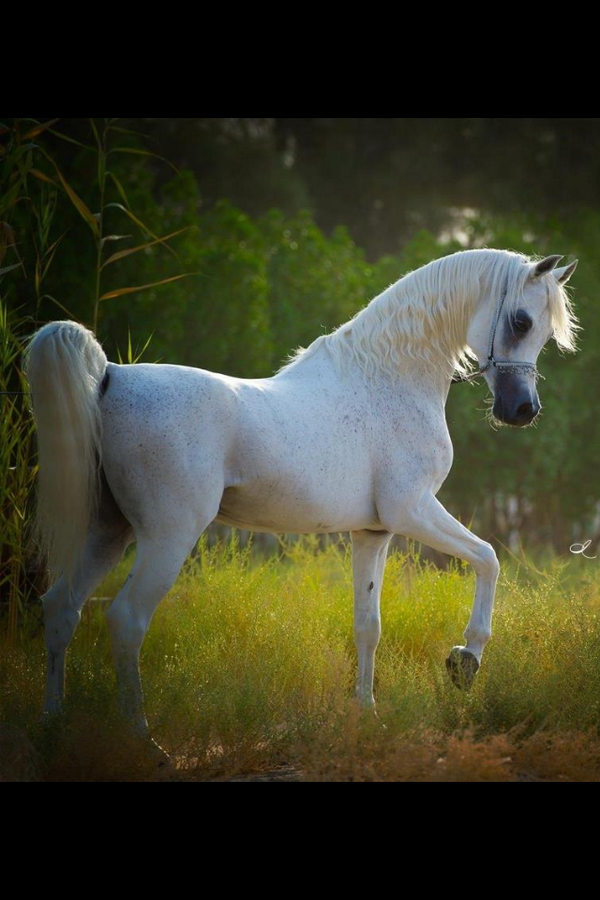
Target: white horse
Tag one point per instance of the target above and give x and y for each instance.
(349, 436)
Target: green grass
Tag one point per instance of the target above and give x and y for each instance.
(249, 665)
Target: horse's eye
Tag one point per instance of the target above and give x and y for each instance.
(521, 322)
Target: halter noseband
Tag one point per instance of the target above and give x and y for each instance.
(506, 365)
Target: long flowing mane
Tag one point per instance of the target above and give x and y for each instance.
(426, 314)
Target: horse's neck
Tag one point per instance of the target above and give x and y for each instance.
(418, 377)
(423, 378)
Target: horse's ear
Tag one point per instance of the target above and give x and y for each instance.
(562, 275)
(546, 265)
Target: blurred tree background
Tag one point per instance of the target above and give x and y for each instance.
(283, 229)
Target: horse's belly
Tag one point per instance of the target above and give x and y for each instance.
(278, 509)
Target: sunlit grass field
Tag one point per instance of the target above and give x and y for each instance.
(249, 670)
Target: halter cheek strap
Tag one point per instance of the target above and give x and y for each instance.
(505, 365)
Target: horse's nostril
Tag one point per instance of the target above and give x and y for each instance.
(525, 411)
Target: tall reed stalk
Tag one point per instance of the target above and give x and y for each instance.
(18, 577)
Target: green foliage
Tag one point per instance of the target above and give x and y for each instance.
(315, 282)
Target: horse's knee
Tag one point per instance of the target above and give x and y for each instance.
(487, 563)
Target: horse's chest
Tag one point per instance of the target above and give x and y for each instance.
(419, 458)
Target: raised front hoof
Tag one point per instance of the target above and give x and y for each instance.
(462, 667)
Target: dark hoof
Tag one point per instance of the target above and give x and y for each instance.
(462, 667)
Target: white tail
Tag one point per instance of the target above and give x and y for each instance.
(64, 366)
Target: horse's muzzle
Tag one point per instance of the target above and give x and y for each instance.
(519, 413)
(516, 400)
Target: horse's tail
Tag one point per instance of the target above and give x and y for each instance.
(65, 365)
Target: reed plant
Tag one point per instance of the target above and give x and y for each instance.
(19, 579)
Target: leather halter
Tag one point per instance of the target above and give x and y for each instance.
(504, 365)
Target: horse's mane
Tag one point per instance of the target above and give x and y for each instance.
(426, 313)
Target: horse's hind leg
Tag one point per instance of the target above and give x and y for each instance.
(158, 562)
(107, 539)
(369, 552)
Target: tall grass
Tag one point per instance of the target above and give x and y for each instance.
(249, 666)
(18, 579)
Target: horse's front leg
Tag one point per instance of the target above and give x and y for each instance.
(369, 551)
(430, 523)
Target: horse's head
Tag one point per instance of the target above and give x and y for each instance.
(509, 330)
